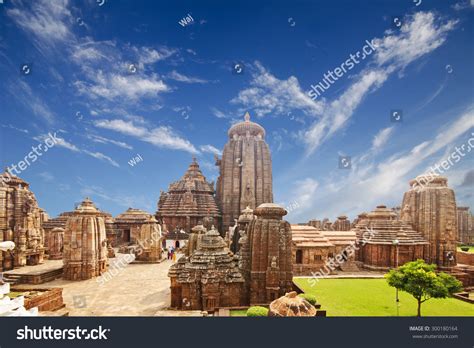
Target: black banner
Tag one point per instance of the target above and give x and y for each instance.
(236, 332)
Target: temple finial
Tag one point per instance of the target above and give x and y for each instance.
(247, 117)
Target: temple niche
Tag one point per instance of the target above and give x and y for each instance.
(269, 267)
(55, 243)
(384, 241)
(430, 206)
(85, 243)
(245, 172)
(188, 202)
(20, 222)
(207, 279)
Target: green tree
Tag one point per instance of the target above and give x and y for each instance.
(421, 281)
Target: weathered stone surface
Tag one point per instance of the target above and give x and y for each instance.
(384, 241)
(208, 279)
(55, 242)
(430, 206)
(291, 305)
(188, 202)
(465, 225)
(245, 171)
(270, 267)
(20, 221)
(341, 224)
(85, 243)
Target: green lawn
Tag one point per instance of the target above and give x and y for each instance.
(471, 249)
(238, 313)
(373, 297)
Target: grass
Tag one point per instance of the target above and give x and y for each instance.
(373, 297)
(471, 249)
(238, 313)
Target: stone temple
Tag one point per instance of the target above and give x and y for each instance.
(20, 222)
(245, 172)
(188, 202)
(430, 206)
(85, 243)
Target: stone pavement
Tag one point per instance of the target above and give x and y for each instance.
(131, 290)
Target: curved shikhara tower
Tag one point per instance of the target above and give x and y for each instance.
(245, 171)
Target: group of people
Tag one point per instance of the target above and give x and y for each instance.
(171, 253)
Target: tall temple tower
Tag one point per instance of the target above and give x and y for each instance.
(245, 171)
(430, 206)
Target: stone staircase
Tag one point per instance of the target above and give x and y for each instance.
(32, 278)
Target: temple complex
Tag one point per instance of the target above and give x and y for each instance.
(207, 279)
(85, 243)
(20, 222)
(430, 206)
(387, 242)
(245, 171)
(465, 223)
(270, 267)
(188, 202)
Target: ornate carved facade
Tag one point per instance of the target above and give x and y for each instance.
(269, 268)
(465, 222)
(188, 201)
(20, 222)
(245, 171)
(85, 243)
(430, 206)
(209, 278)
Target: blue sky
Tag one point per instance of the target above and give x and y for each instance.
(121, 78)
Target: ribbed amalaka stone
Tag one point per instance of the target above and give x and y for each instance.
(384, 241)
(464, 222)
(85, 243)
(55, 243)
(209, 278)
(245, 171)
(188, 201)
(430, 206)
(270, 265)
(291, 305)
(341, 224)
(20, 222)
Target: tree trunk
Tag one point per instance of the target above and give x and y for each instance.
(419, 308)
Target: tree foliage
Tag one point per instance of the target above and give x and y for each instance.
(423, 282)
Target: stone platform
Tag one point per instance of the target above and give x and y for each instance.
(39, 274)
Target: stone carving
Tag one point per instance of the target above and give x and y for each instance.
(20, 222)
(291, 305)
(269, 242)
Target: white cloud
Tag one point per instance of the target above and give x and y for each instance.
(160, 136)
(219, 114)
(103, 140)
(210, 149)
(381, 138)
(101, 157)
(174, 75)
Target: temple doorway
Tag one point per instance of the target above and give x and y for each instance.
(299, 256)
(126, 236)
(176, 244)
